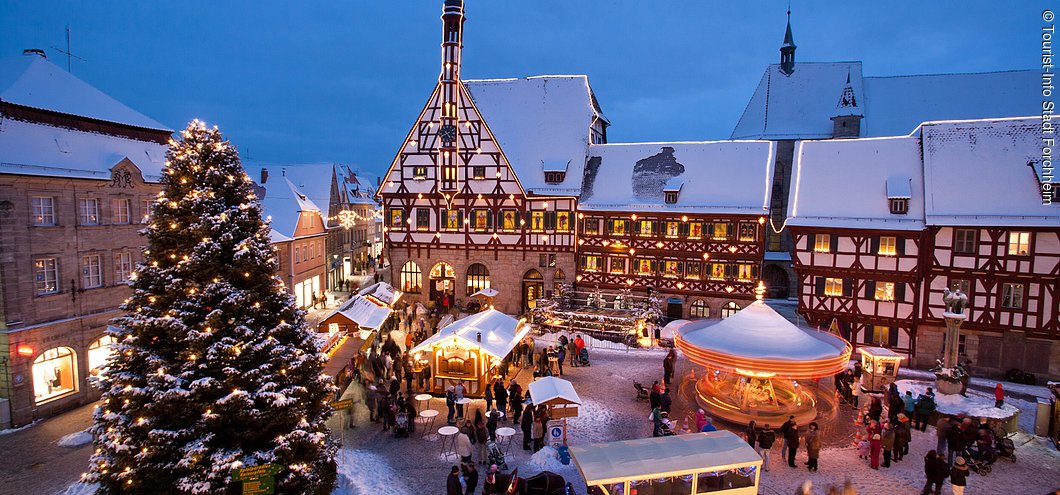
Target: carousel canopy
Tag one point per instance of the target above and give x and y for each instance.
(552, 391)
(757, 339)
(365, 312)
(382, 291)
(649, 458)
(492, 331)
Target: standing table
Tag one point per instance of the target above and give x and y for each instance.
(428, 415)
(448, 434)
(422, 400)
(504, 439)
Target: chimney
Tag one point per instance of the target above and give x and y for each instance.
(29, 52)
(264, 175)
(283, 171)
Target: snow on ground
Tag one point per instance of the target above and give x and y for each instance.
(362, 472)
(80, 489)
(977, 404)
(13, 430)
(1019, 388)
(76, 439)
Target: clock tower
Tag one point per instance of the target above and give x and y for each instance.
(449, 85)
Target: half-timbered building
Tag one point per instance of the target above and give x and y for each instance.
(881, 226)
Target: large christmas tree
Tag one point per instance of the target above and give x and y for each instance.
(213, 368)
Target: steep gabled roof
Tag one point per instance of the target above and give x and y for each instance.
(540, 121)
(283, 203)
(799, 105)
(35, 82)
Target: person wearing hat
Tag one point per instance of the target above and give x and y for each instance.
(527, 425)
(959, 476)
(936, 469)
(454, 483)
(875, 446)
(902, 437)
(490, 484)
(450, 402)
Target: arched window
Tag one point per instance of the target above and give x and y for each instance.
(443, 270)
(699, 309)
(54, 374)
(558, 279)
(478, 278)
(98, 352)
(411, 277)
(532, 275)
(729, 309)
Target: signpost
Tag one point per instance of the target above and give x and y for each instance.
(342, 404)
(258, 480)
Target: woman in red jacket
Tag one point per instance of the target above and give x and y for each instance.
(999, 396)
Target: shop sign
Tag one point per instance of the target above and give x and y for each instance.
(258, 480)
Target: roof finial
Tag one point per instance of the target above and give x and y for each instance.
(787, 49)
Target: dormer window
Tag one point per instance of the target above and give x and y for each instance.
(899, 206)
(672, 190)
(670, 197)
(555, 177)
(555, 170)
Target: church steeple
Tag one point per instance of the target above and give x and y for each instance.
(787, 50)
(846, 119)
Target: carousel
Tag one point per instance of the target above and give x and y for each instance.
(755, 360)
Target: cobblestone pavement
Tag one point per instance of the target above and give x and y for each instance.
(32, 461)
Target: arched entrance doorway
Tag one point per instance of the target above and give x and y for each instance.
(443, 283)
(776, 280)
(533, 287)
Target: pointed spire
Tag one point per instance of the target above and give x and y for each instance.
(787, 50)
(789, 40)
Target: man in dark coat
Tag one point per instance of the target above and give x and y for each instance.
(500, 395)
(664, 401)
(527, 426)
(668, 366)
(655, 398)
(453, 484)
(765, 444)
(791, 439)
(515, 398)
(954, 441)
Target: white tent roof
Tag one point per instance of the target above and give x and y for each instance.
(364, 312)
(494, 332)
(550, 390)
(486, 293)
(647, 458)
(758, 331)
(878, 351)
(382, 291)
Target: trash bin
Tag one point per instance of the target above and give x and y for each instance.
(564, 455)
(1042, 417)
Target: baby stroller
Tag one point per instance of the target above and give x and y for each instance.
(642, 393)
(401, 425)
(665, 429)
(1005, 448)
(976, 461)
(583, 357)
(495, 455)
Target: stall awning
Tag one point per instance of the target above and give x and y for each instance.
(342, 355)
(494, 332)
(649, 458)
(552, 391)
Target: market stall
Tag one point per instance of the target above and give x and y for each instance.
(715, 462)
(559, 396)
(754, 362)
(349, 329)
(879, 368)
(468, 350)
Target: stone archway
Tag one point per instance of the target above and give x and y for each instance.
(777, 283)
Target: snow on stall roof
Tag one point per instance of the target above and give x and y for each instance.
(33, 81)
(282, 202)
(28, 148)
(966, 162)
(800, 106)
(499, 333)
(364, 312)
(717, 176)
(382, 291)
(843, 183)
(551, 390)
(759, 332)
(602, 463)
(537, 121)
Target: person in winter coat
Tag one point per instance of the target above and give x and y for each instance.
(668, 366)
(527, 427)
(384, 411)
(765, 444)
(959, 476)
(492, 418)
(470, 477)
(657, 421)
(999, 396)
(664, 401)
(925, 405)
(937, 470)
(572, 352)
(813, 447)
(491, 486)
(454, 483)
(909, 403)
(500, 395)
(459, 392)
(701, 420)
(370, 400)
(578, 341)
(488, 395)
(561, 355)
(708, 426)
(942, 427)
(482, 435)
(875, 410)
(654, 397)
(751, 433)
(784, 434)
(887, 444)
(875, 446)
(515, 398)
(450, 403)
(902, 438)
(954, 440)
(540, 425)
(791, 438)
(463, 446)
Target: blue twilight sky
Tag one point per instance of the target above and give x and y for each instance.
(312, 81)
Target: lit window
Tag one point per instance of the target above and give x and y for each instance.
(91, 272)
(537, 221)
(411, 277)
(722, 231)
(881, 335)
(452, 219)
(617, 265)
(480, 219)
(47, 275)
(120, 210)
(672, 230)
(717, 271)
(692, 269)
(1019, 243)
(699, 309)
(508, 222)
(419, 172)
(730, 308)
(396, 220)
(833, 286)
(887, 246)
(646, 228)
(591, 226)
(822, 243)
(884, 291)
(43, 210)
(88, 210)
(695, 230)
(122, 266)
(98, 353)
(644, 267)
(748, 231)
(590, 263)
(563, 221)
(54, 374)
(145, 210)
(1012, 296)
(478, 278)
(617, 227)
(671, 269)
(746, 272)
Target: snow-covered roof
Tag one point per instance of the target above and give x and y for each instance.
(357, 187)
(981, 173)
(800, 105)
(33, 81)
(551, 390)
(540, 121)
(898, 187)
(364, 312)
(717, 176)
(845, 183)
(759, 332)
(675, 455)
(312, 179)
(492, 331)
(488, 292)
(382, 291)
(28, 148)
(879, 352)
(282, 204)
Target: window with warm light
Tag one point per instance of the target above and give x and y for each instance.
(396, 218)
(671, 269)
(748, 231)
(537, 221)
(563, 223)
(54, 374)
(145, 210)
(1019, 243)
(98, 353)
(717, 271)
(881, 335)
(645, 266)
(692, 269)
(746, 272)
(88, 211)
(695, 230)
(453, 219)
(884, 291)
(699, 309)
(478, 278)
(481, 220)
(887, 246)
(411, 277)
(730, 308)
(833, 286)
(91, 272)
(672, 230)
(590, 262)
(508, 220)
(419, 172)
(721, 231)
(1012, 296)
(617, 265)
(591, 226)
(46, 272)
(43, 210)
(645, 228)
(616, 226)
(822, 243)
